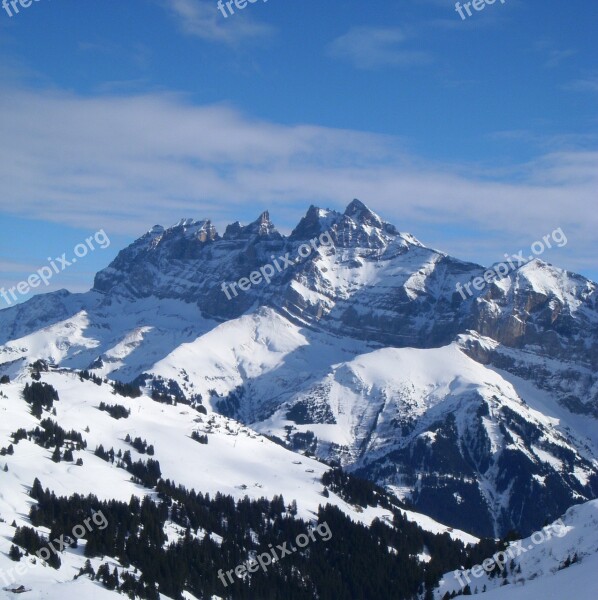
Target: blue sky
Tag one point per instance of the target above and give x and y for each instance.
(477, 136)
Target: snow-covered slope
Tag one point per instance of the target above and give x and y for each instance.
(74, 330)
(236, 461)
(429, 422)
(553, 567)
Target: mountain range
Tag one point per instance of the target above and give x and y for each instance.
(479, 413)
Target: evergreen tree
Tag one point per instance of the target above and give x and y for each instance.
(37, 490)
(15, 554)
(56, 455)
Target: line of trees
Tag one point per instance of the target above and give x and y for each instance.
(354, 563)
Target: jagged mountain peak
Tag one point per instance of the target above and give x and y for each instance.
(202, 230)
(359, 212)
(357, 226)
(262, 227)
(191, 229)
(316, 221)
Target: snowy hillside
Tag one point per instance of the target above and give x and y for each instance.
(380, 413)
(552, 566)
(235, 461)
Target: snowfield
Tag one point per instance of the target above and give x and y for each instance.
(540, 572)
(236, 461)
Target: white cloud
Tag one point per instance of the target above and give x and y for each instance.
(201, 18)
(557, 57)
(376, 47)
(10, 266)
(126, 163)
(589, 84)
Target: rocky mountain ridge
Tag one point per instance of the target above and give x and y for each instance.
(479, 405)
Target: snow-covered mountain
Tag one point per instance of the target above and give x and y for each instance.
(477, 411)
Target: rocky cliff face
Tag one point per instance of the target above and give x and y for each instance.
(373, 283)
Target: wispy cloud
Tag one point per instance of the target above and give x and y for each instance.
(376, 47)
(10, 266)
(128, 162)
(557, 57)
(138, 54)
(554, 56)
(12, 273)
(547, 142)
(201, 18)
(587, 84)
